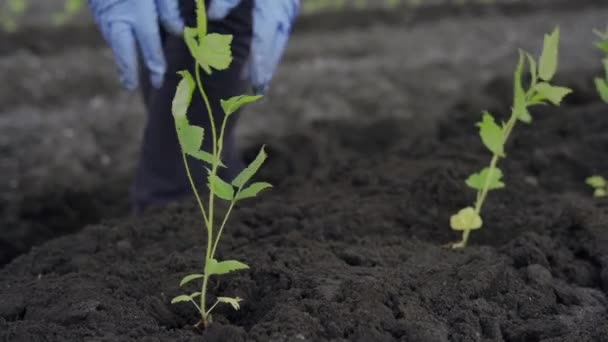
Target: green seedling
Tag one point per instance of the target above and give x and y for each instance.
(495, 136)
(601, 83)
(599, 185)
(211, 52)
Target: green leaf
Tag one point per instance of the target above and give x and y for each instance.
(214, 52)
(491, 134)
(190, 278)
(533, 70)
(602, 88)
(520, 109)
(190, 34)
(185, 298)
(223, 267)
(220, 188)
(596, 182)
(551, 93)
(206, 157)
(466, 219)
(245, 175)
(181, 299)
(234, 302)
(190, 138)
(235, 103)
(603, 45)
(548, 58)
(183, 96)
(600, 193)
(253, 190)
(493, 179)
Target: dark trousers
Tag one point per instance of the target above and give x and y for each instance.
(161, 177)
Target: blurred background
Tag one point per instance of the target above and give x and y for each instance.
(69, 136)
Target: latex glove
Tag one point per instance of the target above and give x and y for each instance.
(272, 23)
(127, 25)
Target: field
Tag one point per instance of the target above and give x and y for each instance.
(370, 128)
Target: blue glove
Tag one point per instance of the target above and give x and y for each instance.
(129, 24)
(272, 22)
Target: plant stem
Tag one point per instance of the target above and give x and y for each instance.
(194, 189)
(481, 195)
(219, 233)
(214, 167)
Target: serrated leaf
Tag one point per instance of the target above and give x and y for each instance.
(602, 88)
(206, 157)
(244, 176)
(220, 188)
(466, 219)
(214, 52)
(493, 179)
(180, 299)
(190, 35)
(190, 138)
(183, 96)
(553, 94)
(223, 267)
(253, 190)
(234, 302)
(235, 103)
(547, 65)
(519, 95)
(492, 134)
(596, 182)
(190, 278)
(537, 99)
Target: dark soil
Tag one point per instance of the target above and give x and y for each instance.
(348, 245)
(351, 249)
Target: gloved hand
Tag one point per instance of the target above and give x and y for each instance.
(129, 24)
(272, 22)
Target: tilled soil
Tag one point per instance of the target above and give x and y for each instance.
(69, 140)
(368, 154)
(352, 251)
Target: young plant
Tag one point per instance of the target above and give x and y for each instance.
(599, 185)
(495, 136)
(211, 51)
(601, 83)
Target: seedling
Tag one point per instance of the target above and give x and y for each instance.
(495, 136)
(211, 52)
(599, 185)
(601, 84)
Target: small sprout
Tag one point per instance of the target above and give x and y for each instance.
(494, 136)
(211, 52)
(599, 185)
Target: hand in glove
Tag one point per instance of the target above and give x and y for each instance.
(128, 25)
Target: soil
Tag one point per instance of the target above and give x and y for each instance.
(348, 246)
